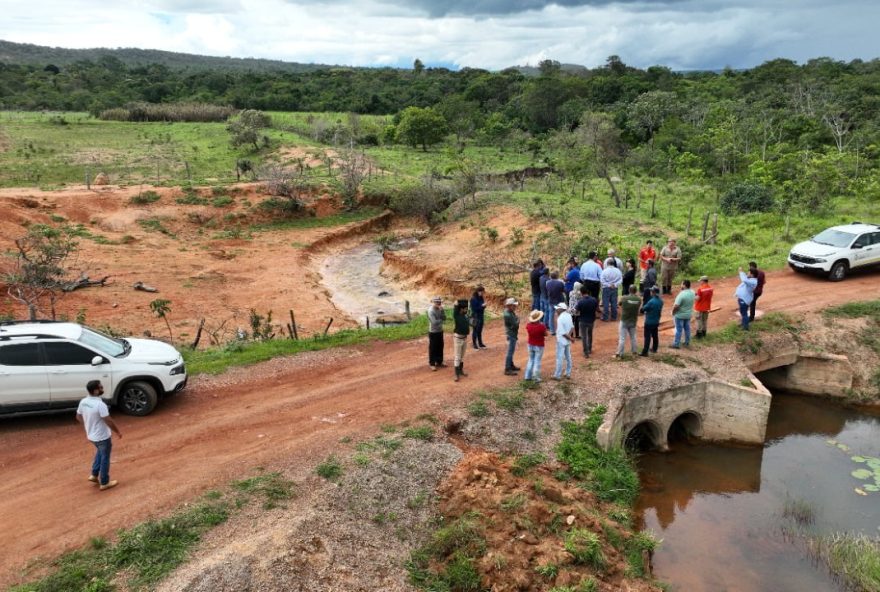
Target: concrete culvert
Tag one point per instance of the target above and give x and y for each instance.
(645, 436)
(686, 426)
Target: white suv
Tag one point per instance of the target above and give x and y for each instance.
(837, 250)
(45, 365)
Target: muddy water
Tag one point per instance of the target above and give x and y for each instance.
(354, 279)
(719, 509)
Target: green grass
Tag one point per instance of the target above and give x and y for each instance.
(585, 548)
(750, 341)
(525, 462)
(853, 310)
(610, 474)
(425, 433)
(330, 469)
(448, 561)
(218, 359)
(44, 154)
(322, 222)
(853, 558)
(149, 551)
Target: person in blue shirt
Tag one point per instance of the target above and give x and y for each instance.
(591, 273)
(535, 282)
(745, 292)
(571, 276)
(652, 309)
(478, 310)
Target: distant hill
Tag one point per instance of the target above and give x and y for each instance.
(39, 55)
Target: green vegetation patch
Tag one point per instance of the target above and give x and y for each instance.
(151, 550)
(610, 474)
(853, 558)
(853, 310)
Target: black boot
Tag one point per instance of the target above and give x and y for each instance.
(457, 373)
(461, 369)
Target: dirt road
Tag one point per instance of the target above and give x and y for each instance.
(223, 427)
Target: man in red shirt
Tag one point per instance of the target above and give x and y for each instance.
(703, 305)
(646, 253)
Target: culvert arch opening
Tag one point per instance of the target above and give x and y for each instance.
(644, 436)
(687, 426)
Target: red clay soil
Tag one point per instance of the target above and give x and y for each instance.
(296, 409)
(525, 520)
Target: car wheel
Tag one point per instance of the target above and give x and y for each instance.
(838, 271)
(138, 398)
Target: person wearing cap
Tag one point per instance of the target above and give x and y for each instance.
(564, 338)
(703, 305)
(536, 331)
(460, 335)
(436, 317)
(629, 315)
(645, 254)
(478, 316)
(652, 310)
(682, 311)
(586, 307)
(511, 331)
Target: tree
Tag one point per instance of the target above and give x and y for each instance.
(418, 66)
(421, 127)
(598, 133)
(161, 308)
(41, 266)
(648, 112)
(353, 166)
(461, 115)
(246, 128)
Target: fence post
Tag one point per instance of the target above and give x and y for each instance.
(406, 305)
(327, 328)
(293, 325)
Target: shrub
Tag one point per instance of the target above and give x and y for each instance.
(143, 112)
(747, 197)
(145, 198)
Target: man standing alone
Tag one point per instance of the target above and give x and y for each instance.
(682, 311)
(703, 305)
(759, 289)
(436, 316)
(670, 256)
(94, 415)
(511, 329)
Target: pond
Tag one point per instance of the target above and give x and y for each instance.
(724, 512)
(358, 287)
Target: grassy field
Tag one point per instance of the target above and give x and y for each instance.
(52, 149)
(592, 221)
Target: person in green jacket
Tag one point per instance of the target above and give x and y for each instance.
(682, 311)
(511, 330)
(460, 335)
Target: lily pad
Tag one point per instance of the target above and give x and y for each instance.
(843, 447)
(874, 463)
(872, 488)
(859, 459)
(862, 474)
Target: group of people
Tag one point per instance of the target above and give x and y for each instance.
(567, 303)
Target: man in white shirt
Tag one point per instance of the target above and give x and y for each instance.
(95, 417)
(611, 278)
(564, 338)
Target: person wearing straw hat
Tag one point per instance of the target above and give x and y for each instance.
(537, 331)
(436, 316)
(511, 331)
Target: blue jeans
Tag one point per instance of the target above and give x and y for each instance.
(548, 315)
(744, 313)
(682, 326)
(563, 352)
(536, 302)
(101, 464)
(533, 368)
(511, 347)
(609, 303)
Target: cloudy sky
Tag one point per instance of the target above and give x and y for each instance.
(494, 34)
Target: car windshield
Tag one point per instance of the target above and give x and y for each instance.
(104, 343)
(834, 238)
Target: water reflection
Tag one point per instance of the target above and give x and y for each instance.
(718, 509)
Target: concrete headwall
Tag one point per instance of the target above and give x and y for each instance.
(812, 374)
(726, 412)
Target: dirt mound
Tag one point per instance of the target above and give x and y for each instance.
(540, 531)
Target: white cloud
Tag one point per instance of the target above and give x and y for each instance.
(679, 34)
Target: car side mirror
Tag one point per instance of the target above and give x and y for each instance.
(857, 245)
(97, 361)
